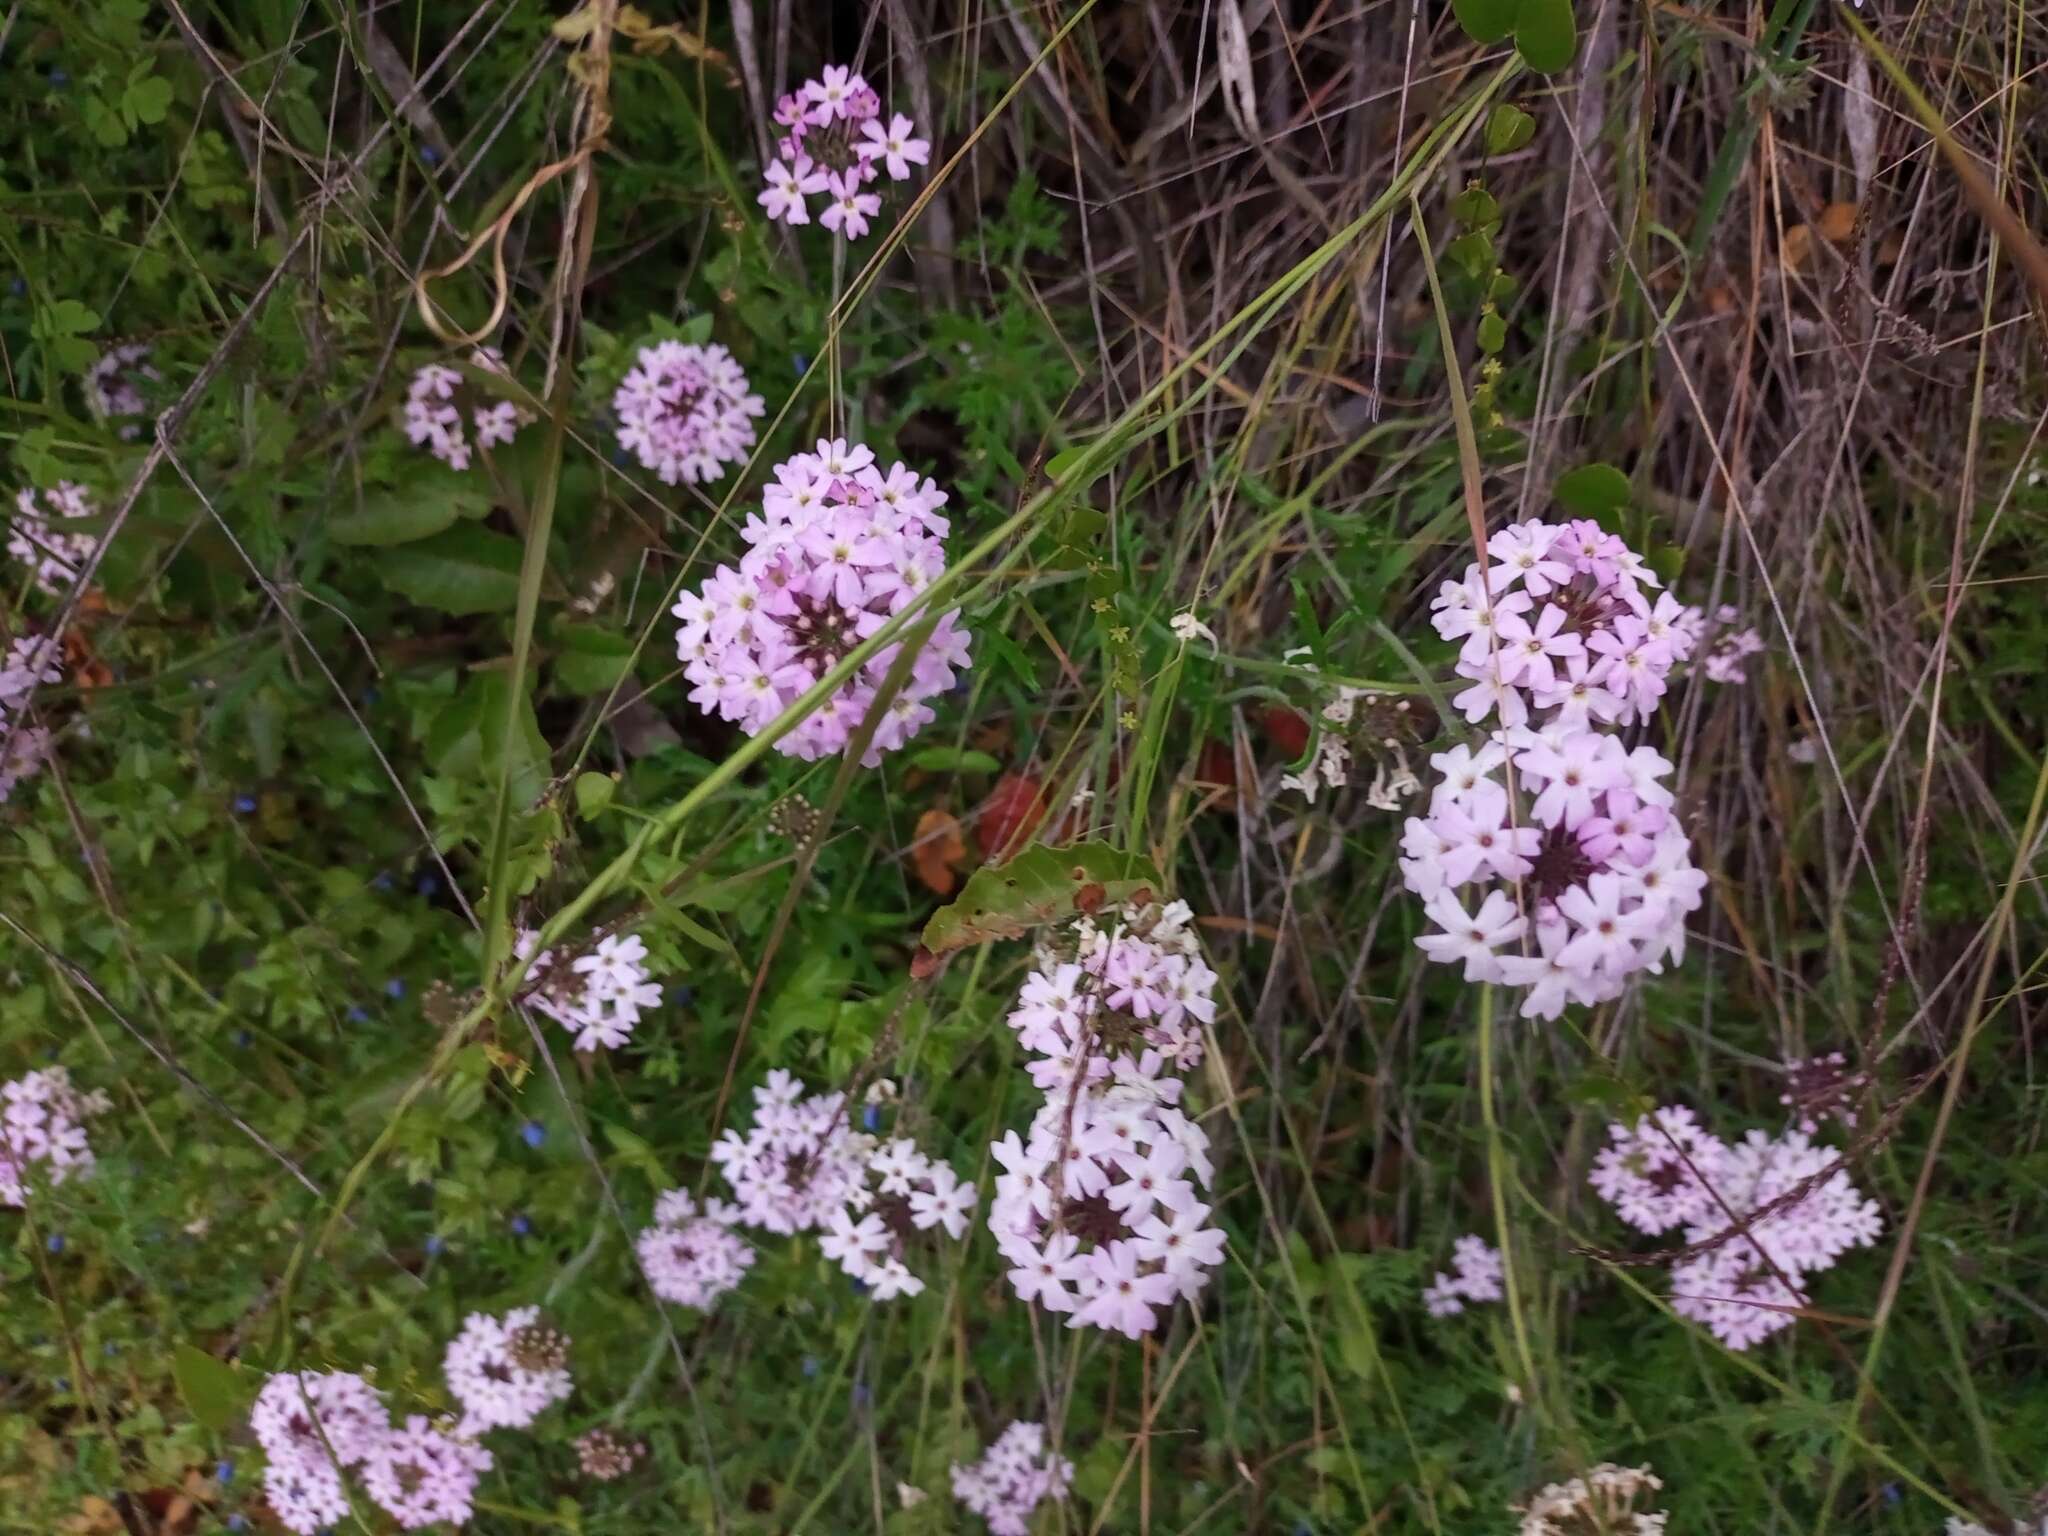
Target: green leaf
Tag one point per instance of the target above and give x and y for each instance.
(404, 516)
(1473, 252)
(217, 1393)
(1508, 128)
(1592, 489)
(591, 660)
(1485, 21)
(1041, 885)
(1545, 36)
(1474, 207)
(953, 760)
(147, 100)
(594, 793)
(60, 326)
(1493, 333)
(459, 570)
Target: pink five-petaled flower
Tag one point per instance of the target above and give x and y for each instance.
(897, 146)
(1526, 650)
(786, 191)
(1124, 1297)
(1475, 938)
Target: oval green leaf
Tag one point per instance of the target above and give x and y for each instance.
(459, 570)
(1545, 36)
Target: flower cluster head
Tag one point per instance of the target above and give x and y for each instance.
(42, 1128)
(1730, 648)
(685, 411)
(1667, 1171)
(28, 662)
(435, 406)
(1559, 624)
(37, 537)
(312, 1425)
(836, 550)
(835, 144)
(113, 384)
(599, 997)
(1476, 1274)
(802, 1167)
(1013, 1477)
(1602, 1503)
(1550, 859)
(605, 1457)
(420, 1475)
(1823, 1088)
(505, 1371)
(1096, 1209)
(690, 1257)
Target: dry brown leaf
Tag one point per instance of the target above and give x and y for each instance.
(937, 847)
(1796, 249)
(1838, 221)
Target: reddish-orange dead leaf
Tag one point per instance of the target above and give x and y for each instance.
(937, 847)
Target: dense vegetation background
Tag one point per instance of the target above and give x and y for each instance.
(1160, 318)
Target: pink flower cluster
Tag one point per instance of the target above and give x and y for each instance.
(837, 548)
(1730, 648)
(42, 1127)
(685, 411)
(1668, 1171)
(113, 384)
(505, 1371)
(835, 143)
(1014, 1476)
(689, 1258)
(313, 1426)
(1096, 1208)
(38, 539)
(1584, 875)
(29, 662)
(599, 997)
(802, 1167)
(434, 405)
(1476, 1274)
(1559, 622)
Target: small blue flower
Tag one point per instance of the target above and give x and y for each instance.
(18, 286)
(521, 1226)
(1892, 1496)
(113, 1348)
(394, 988)
(810, 1365)
(357, 1013)
(59, 78)
(240, 1039)
(533, 1133)
(245, 805)
(54, 1242)
(682, 996)
(860, 1287)
(871, 1117)
(435, 1246)
(430, 154)
(237, 1523)
(224, 1472)
(861, 1394)
(382, 880)
(428, 886)
(63, 1383)
(370, 697)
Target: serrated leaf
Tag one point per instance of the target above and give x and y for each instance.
(407, 515)
(217, 1393)
(1545, 35)
(1508, 128)
(1592, 489)
(459, 570)
(1041, 885)
(1485, 21)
